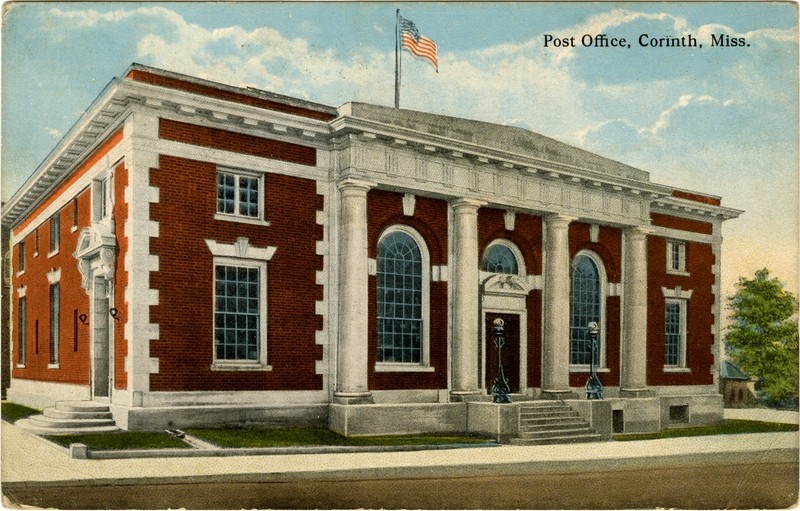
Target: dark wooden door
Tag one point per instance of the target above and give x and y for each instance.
(510, 351)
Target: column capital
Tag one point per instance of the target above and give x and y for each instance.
(356, 185)
(467, 205)
(558, 220)
(638, 230)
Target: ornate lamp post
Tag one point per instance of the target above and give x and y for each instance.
(594, 389)
(501, 389)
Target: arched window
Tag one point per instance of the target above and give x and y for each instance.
(402, 280)
(499, 258)
(585, 307)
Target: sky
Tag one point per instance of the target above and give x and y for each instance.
(718, 119)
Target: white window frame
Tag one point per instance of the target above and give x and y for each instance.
(681, 266)
(681, 365)
(22, 325)
(243, 365)
(604, 288)
(55, 326)
(236, 216)
(424, 365)
(21, 256)
(55, 234)
(101, 197)
(521, 271)
(678, 294)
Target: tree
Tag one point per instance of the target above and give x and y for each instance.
(762, 337)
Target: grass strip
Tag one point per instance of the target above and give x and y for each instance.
(12, 412)
(731, 427)
(297, 437)
(122, 440)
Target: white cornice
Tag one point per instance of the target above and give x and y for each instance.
(675, 206)
(506, 161)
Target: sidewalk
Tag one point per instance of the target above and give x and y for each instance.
(30, 459)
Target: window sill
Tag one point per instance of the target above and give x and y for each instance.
(241, 219)
(587, 369)
(20, 273)
(52, 366)
(677, 370)
(389, 367)
(36, 254)
(679, 273)
(239, 366)
(51, 254)
(20, 366)
(73, 228)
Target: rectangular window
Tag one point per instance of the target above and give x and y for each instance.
(21, 257)
(239, 195)
(55, 233)
(21, 341)
(675, 333)
(239, 313)
(55, 312)
(75, 212)
(676, 257)
(100, 198)
(35, 242)
(75, 330)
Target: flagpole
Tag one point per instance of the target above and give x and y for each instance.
(397, 60)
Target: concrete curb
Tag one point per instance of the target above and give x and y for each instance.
(745, 458)
(80, 451)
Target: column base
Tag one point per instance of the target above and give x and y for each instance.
(635, 393)
(559, 394)
(353, 398)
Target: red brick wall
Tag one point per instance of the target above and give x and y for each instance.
(385, 209)
(705, 199)
(684, 224)
(699, 339)
(73, 350)
(609, 249)
(236, 142)
(120, 277)
(206, 90)
(185, 314)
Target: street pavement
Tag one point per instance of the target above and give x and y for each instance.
(28, 458)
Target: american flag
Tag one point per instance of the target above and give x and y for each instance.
(419, 45)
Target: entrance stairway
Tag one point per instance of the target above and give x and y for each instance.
(552, 422)
(70, 417)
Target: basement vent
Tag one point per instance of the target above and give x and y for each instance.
(679, 413)
(617, 421)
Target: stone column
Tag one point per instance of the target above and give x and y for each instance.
(634, 327)
(556, 339)
(351, 376)
(465, 282)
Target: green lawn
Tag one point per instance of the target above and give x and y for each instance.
(13, 412)
(317, 437)
(122, 440)
(731, 427)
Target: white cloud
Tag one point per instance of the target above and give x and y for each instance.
(53, 132)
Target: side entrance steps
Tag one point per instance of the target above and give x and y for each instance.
(69, 418)
(552, 422)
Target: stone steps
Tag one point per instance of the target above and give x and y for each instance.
(69, 418)
(552, 422)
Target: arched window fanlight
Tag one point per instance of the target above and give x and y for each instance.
(499, 258)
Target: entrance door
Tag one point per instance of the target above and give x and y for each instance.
(510, 351)
(101, 351)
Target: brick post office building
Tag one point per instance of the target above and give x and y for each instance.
(193, 253)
